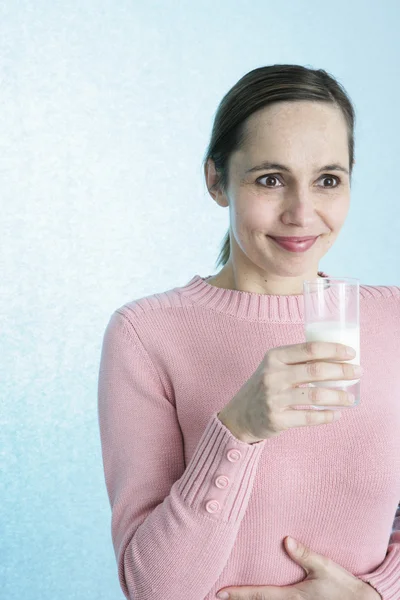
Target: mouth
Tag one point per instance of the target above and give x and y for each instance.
(293, 238)
(293, 244)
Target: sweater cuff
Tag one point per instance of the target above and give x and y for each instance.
(220, 475)
(386, 578)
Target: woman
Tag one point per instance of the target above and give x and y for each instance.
(208, 466)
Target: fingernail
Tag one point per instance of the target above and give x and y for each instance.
(292, 544)
(350, 351)
(223, 595)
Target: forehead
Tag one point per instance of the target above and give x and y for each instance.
(290, 130)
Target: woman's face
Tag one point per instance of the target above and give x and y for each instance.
(303, 201)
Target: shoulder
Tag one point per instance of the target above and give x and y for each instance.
(380, 304)
(380, 295)
(146, 306)
(380, 292)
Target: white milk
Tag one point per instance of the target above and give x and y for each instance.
(331, 331)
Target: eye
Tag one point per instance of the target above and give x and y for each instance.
(326, 176)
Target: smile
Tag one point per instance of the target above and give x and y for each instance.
(294, 246)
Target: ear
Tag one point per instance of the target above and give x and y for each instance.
(212, 179)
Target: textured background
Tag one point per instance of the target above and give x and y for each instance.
(106, 110)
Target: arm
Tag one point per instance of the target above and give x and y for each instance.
(385, 579)
(167, 543)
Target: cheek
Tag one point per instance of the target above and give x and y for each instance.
(338, 215)
(254, 216)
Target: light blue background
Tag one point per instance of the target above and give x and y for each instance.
(106, 110)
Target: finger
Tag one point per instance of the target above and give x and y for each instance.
(302, 418)
(296, 397)
(247, 592)
(310, 351)
(318, 371)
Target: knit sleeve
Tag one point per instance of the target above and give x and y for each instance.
(173, 526)
(386, 577)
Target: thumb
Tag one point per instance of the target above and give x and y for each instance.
(306, 558)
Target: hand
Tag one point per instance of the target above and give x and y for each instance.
(325, 580)
(264, 407)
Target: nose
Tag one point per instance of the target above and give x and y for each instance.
(299, 210)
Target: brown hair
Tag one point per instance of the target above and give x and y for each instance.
(257, 89)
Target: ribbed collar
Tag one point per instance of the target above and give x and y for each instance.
(246, 305)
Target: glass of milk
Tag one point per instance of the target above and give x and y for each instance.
(332, 314)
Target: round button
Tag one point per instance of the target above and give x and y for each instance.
(234, 455)
(222, 481)
(212, 506)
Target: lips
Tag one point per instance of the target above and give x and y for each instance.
(294, 246)
(293, 238)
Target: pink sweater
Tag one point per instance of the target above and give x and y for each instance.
(193, 508)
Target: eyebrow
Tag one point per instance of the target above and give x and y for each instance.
(270, 165)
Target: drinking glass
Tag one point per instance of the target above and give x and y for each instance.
(332, 314)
